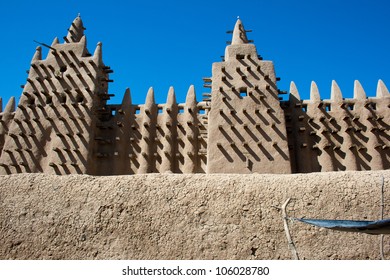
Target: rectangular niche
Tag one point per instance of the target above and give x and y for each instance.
(243, 92)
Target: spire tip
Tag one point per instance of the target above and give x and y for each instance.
(239, 33)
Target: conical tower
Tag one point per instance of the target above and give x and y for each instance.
(76, 31)
(247, 131)
(54, 126)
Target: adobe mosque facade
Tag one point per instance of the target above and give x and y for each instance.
(64, 125)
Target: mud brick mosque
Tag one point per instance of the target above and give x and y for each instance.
(64, 125)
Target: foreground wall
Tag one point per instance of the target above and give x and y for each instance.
(197, 216)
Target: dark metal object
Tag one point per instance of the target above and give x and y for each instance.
(45, 45)
(369, 227)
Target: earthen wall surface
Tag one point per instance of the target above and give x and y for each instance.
(178, 216)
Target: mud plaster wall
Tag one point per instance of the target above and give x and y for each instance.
(170, 216)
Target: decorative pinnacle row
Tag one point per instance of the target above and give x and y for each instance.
(336, 94)
(150, 102)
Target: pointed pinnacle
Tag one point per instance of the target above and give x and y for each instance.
(98, 54)
(76, 31)
(314, 93)
(381, 90)
(149, 102)
(335, 92)
(37, 55)
(191, 98)
(55, 42)
(358, 91)
(83, 41)
(239, 34)
(294, 91)
(10, 107)
(126, 101)
(171, 99)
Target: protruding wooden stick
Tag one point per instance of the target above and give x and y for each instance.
(291, 244)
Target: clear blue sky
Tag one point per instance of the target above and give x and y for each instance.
(174, 43)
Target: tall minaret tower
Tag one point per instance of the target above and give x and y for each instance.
(247, 130)
(53, 129)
